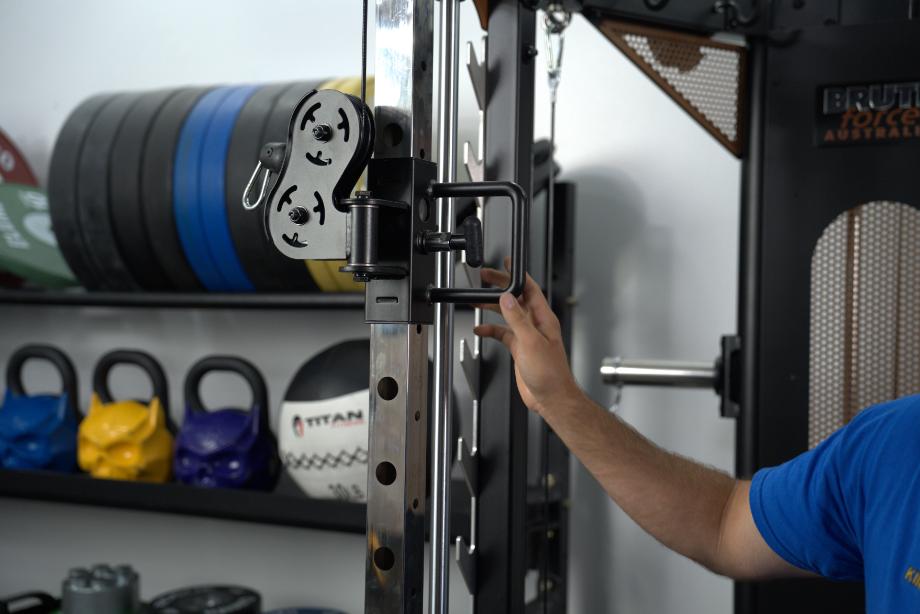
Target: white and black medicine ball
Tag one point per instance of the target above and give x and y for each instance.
(323, 428)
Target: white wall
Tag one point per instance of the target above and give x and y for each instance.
(656, 262)
(655, 278)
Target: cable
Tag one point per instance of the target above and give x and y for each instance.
(364, 55)
(555, 21)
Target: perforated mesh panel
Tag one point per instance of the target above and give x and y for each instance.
(865, 314)
(705, 77)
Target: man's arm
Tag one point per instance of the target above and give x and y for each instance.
(692, 509)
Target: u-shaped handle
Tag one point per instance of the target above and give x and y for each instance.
(51, 354)
(519, 207)
(232, 364)
(137, 358)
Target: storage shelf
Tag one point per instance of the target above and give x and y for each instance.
(245, 505)
(202, 300)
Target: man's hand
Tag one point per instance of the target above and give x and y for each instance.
(534, 337)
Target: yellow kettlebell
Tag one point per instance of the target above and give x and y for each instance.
(126, 440)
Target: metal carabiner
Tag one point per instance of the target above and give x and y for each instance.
(252, 180)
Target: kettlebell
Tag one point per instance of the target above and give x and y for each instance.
(39, 431)
(127, 439)
(102, 589)
(229, 447)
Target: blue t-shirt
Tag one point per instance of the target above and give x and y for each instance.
(850, 508)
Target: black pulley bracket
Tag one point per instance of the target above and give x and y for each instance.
(264, 119)
(329, 142)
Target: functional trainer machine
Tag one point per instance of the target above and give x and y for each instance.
(812, 82)
(398, 237)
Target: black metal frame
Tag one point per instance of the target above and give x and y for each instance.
(787, 205)
(503, 427)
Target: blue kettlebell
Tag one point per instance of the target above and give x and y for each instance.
(39, 431)
(230, 447)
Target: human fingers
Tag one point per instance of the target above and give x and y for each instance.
(517, 318)
(498, 332)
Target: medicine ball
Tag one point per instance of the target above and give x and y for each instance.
(323, 427)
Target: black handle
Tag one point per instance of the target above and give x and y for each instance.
(471, 230)
(518, 223)
(137, 358)
(233, 364)
(53, 355)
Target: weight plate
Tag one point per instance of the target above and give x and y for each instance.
(263, 119)
(213, 201)
(322, 276)
(93, 195)
(125, 207)
(208, 600)
(27, 244)
(157, 189)
(187, 190)
(63, 180)
(13, 165)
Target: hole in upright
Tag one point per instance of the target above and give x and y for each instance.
(386, 473)
(384, 558)
(393, 135)
(387, 388)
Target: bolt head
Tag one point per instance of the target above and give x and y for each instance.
(299, 216)
(322, 132)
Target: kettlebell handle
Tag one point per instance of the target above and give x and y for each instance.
(137, 358)
(51, 354)
(231, 364)
(36, 601)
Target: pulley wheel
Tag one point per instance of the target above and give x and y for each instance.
(268, 270)
(287, 272)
